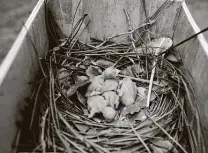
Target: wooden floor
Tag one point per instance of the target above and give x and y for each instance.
(13, 14)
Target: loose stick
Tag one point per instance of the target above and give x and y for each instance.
(140, 138)
(80, 137)
(187, 39)
(166, 133)
(121, 34)
(138, 79)
(130, 29)
(74, 144)
(42, 131)
(152, 74)
(35, 104)
(131, 37)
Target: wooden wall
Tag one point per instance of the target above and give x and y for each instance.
(16, 73)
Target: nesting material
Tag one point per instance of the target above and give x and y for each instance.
(93, 98)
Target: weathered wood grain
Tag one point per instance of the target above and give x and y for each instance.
(17, 71)
(107, 18)
(195, 59)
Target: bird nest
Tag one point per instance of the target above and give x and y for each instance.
(106, 96)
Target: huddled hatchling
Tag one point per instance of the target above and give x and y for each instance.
(106, 92)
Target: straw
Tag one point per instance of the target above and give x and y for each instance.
(59, 105)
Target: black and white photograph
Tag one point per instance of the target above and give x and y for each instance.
(103, 76)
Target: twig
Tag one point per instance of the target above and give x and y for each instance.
(75, 30)
(187, 39)
(130, 29)
(75, 14)
(79, 35)
(35, 105)
(138, 79)
(54, 142)
(73, 143)
(51, 101)
(146, 15)
(42, 131)
(52, 81)
(140, 138)
(36, 148)
(118, 35)
(80, 137)
(63, 141)
(153, 73)
(125, 33)
(16, 141)
(159, 11)
(166, 133)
